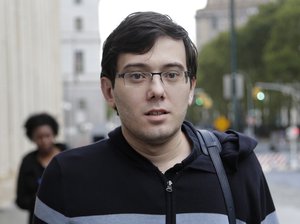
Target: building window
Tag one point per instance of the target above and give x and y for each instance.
(214, 23)
(77, 2)
(78, 24)
(78, 62)
(82, 104)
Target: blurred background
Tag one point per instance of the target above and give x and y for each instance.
(248, 79)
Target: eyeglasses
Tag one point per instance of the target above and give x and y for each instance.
(170, 78)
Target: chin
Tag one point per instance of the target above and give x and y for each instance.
(46, 149)
(158, 136)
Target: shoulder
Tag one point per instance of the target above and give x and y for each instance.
(61, 146)
(236, 147)
(29, 162)
(30, 157)
(77, 162)
(85, 156)
(30, 154)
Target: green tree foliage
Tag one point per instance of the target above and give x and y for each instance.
(252, 40)
(282, 52)
(268, 50)
(214, 61)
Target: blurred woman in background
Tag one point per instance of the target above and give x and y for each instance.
(41, 129)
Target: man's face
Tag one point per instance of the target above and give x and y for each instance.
(152, 112)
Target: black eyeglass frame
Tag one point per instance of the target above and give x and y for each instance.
(186, 74)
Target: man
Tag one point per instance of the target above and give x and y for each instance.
(151, 169)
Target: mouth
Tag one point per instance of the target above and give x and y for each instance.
(156, 112)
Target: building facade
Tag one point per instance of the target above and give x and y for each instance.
(85, 109)
(30, 77)
(215, 17)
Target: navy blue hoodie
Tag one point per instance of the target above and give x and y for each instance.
(108, 182)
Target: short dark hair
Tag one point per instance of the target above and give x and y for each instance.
(137, 33)
(37, 120)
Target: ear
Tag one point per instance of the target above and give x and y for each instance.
(107, 91)
(191, 94)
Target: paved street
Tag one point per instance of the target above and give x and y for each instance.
(285, 189)
(284, 180)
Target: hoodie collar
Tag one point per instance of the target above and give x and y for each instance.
(235, 148)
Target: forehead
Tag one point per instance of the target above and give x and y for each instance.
(43, 129)
(166, 52)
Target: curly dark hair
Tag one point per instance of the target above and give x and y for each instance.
(137, 34)
(37, 120)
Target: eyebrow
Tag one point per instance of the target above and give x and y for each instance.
(133, 65)
(145, 66)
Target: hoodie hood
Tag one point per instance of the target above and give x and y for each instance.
(235, 147)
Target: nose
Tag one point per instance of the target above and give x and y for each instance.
(156, 88)
(45, 141)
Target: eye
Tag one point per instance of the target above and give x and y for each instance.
(135, 77)
(171, 75)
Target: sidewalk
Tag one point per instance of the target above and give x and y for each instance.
(9, 213)
(7, 191)
(285, 190)
(12, 215)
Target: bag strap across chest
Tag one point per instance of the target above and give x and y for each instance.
(211, 146)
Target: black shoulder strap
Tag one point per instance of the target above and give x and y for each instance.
(212, 147)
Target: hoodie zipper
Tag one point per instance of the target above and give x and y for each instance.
(169, 187)
(170, 215)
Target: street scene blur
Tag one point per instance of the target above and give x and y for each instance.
(248, 80)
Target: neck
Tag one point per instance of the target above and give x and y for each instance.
(44, 157)
(164, 155)
(47, 153)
